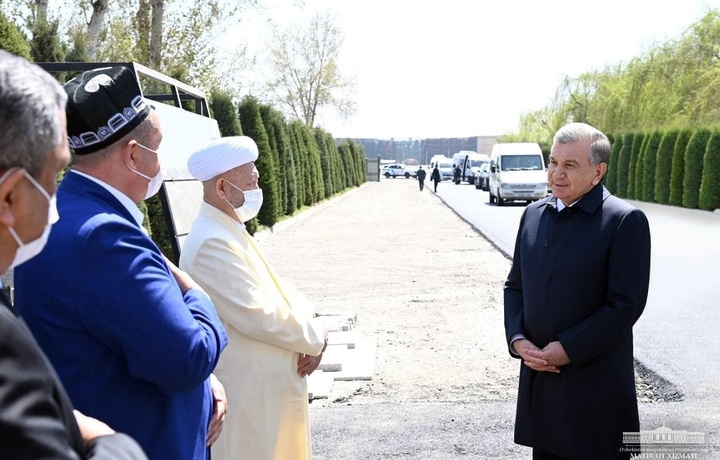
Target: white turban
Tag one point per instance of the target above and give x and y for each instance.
(221, 155)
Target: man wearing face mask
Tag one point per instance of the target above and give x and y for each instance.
(274, 342)
(36, 416)
(133, 338)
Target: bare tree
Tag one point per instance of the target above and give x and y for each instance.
(156, 33)
(305, 73)
(95, 26)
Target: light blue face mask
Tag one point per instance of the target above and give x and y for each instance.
(251, 206)
(26, 251)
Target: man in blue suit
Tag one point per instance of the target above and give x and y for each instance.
(134, 339)
(578, 283)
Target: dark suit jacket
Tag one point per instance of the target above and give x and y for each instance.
(36, 418)
(581, 277)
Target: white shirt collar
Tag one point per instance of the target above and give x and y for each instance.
(132, 208)
(560, 205)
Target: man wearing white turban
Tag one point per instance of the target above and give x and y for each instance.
(274, 342)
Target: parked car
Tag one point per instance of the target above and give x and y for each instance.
(482, 177)
(397, 170)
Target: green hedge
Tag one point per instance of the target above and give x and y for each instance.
(649, 164)
(612, 171)
(694, 155)
(637, 145)
(623, 167)
(710, 184)
(12, 40)
(663, 168)
(677, 177)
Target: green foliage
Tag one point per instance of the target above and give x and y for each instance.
(694, 155)
(317, 184)
(225, 113)
(45, 45)
(253, 127)
(677, 177)
(637, 145)
(670, 85)
(157, 226)
(11, 40)
(612, 172)
(639, 170)
(663, 169)
(710, 184)
(623, 168)
(326, 164)
(648, 165)
(269, 115)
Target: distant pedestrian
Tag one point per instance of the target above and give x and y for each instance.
(435, 177)
(421, 178)
(456, 174)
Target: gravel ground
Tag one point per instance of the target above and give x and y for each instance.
(420, 280)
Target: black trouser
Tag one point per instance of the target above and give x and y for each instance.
(422, 184)
(542, 455)
(436, 182)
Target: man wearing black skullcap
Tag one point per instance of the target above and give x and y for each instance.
(133, 338)
(36, 417)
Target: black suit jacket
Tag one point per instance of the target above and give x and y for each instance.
(36, 417)
(579, 276)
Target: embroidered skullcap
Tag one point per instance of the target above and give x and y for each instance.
(103, 105)
(221, 155)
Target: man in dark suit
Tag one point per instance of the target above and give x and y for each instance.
(421, 178)
(578, 283)
(36, 418)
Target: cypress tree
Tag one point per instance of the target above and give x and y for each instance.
(637, 144)
(363, 162)
(317, 185)
(304, 156)
(639, 170)
(710, 184)
(268, 114)
(225, 113)
(299, 195)
(677, 177)
(45, 45)
(649, 165)
(694, 155)
(325, 163)
(12, 40)
(623, 168)
(355, 163)
(344, 150)
(251, 121)
(663, 168)
(611, 177)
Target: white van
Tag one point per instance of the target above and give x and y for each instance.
(517, 172)
(469, 163)
(444, 164)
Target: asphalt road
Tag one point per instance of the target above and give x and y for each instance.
(676, 335)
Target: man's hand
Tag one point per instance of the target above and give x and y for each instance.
(553, 354)
(183, 279)
(533, 357)
(307, 364)
(91, 428)
(220, 408)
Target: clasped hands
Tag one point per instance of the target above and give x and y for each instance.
(549, 359)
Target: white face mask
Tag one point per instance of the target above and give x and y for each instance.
(251, 206)
(155, 182)
(27, 251)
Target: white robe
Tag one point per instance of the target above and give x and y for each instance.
(269, 324)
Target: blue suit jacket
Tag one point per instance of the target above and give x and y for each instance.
(579, 276)
(129, 347)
